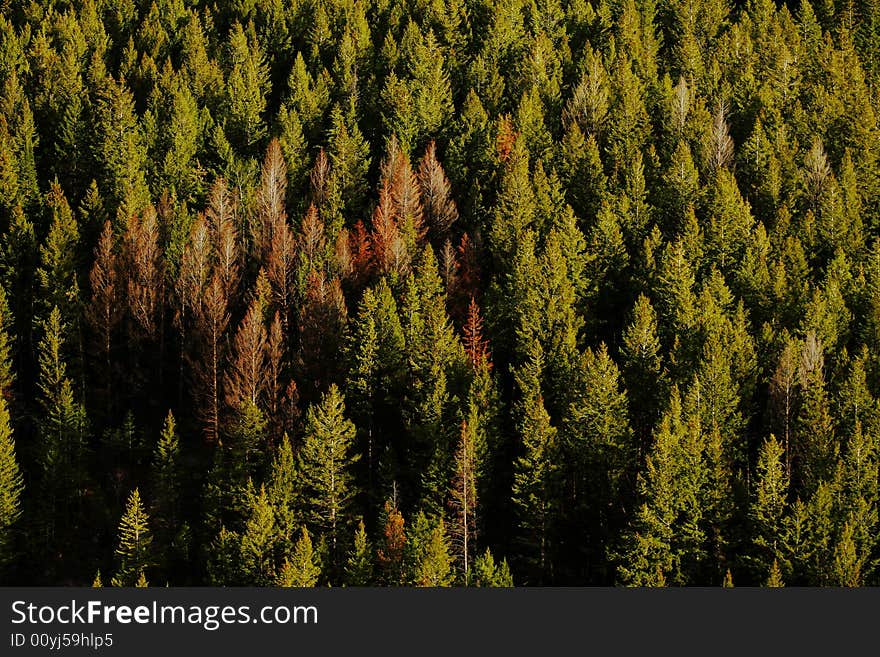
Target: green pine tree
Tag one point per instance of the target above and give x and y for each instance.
(643, 371)
(489, 573)
(534, 474)
(599, 454)
(284, 491)
(167, 479)
(259, 541)
(121, 152)
(815, 449)
(59, 259)
(324, 462)
(135, 542)
(302, 569)
(63, 438)
(11, 486)
(666, 541)
(247, 89)
(359, 566)
(6, 344)
(774, 580)
(430, 556)
(769, 508)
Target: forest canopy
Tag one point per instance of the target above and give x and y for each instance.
(439, 292)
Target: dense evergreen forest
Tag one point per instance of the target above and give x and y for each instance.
(439, 292)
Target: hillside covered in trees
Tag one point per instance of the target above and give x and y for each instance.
(439, 292)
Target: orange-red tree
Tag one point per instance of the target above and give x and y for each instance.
(105, 309)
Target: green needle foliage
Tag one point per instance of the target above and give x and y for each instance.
(464, 292)
(11, 485)
(133, 550)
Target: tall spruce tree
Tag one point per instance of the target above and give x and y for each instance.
(534, 477)
(302, 568)
(324, 463)
(599, 455)
(666, 540)
(134, 547)
(63, 439)
(11, 486)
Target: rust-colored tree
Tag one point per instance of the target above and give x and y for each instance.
(212, 318)
(439, 208)
(143, 265)
(245, 375)
(391, 162)
(449, 267)
(195, 268)
(281, 271)
(342, 255)
(406, 200)
(105, 308)
(390, 554)
(389, 251)
(398, 224)
(449, 273)
(475, 345)
(505, 139)
(361, 253)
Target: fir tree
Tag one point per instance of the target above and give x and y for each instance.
(247, 87)
(135, 541)
(302, 568)
(775, 578)
(6, 324)
(769, 508)
(121, 150)
(63, 436)
(429, 553)
(57, 274)
(284, 490)
(172, 532)
(666, 539)
(534, 471)
(350, 159)
(488, 573)
(643, 368)
(359, 566)
(816, 447)
(258, 541)
(11, 486)
(167, 475)
(324, 462)
(599, 452)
